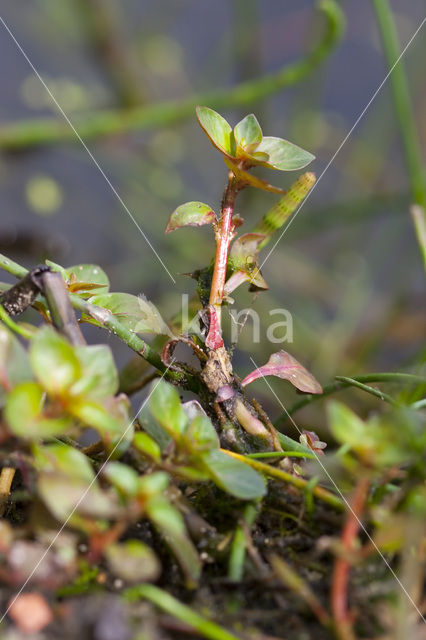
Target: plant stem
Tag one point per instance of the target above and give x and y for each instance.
(14, 326)
(418, 215)
(6, 478)
(35, 132)
(296, 481)
(339, 587)
(170, 605)
(239, 543)
(223, 240)
(364, 387)
(402, 104)
(343, 382)
(61, 312)
(109, 321)
(112, 47)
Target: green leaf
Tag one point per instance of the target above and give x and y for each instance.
(201, 434)
(132, 561)
(23, 413)
(63, 459)
(14, 361)
(155, 430)
(153, 484)
(190, 214)
(346, 426)
(248, 133)
(122, 477)
(135, 313)
(67, 497)
(165, 405)
(54, 361)
(147, 446)
(84, 278)
(66, 482)
(99, 378)
(217, 130)
(284, 155)
(233, 476)
(110, 427)
(170, 524)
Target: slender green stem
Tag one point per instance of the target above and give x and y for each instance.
(371, 390)
(239, 543)
(342, 382)
(32, 133)
(114, 51)
(418, 215)
(170, 605)
(296, 481)
(17, 328)
(402, 104)
(281, 454)
(109, 321)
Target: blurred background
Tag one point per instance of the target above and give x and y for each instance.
(128, 76)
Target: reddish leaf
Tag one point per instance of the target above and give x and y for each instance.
(311, 440)
(283, 365)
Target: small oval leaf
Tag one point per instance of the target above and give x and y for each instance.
(190, 214)
(233, 476)
(135, 313)
(217, 129)
(248, 133)
(284, 155)
(283, 365)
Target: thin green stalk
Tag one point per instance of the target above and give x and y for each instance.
(374, 392)
(35, 132)
(402, 104)
(418, 215)
(112, 48)
(170, 605)
(296, 481)
(239, 543)
(17, 328)
(281, 454)
(342, 382)
(109, 321)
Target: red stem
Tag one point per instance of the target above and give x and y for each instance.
(339, 587)
(222, 244)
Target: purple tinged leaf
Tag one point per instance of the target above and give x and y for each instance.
(283, 365)
(190, 214)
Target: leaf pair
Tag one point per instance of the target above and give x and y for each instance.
(71, 382)
(247, 143)
(197, 443)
